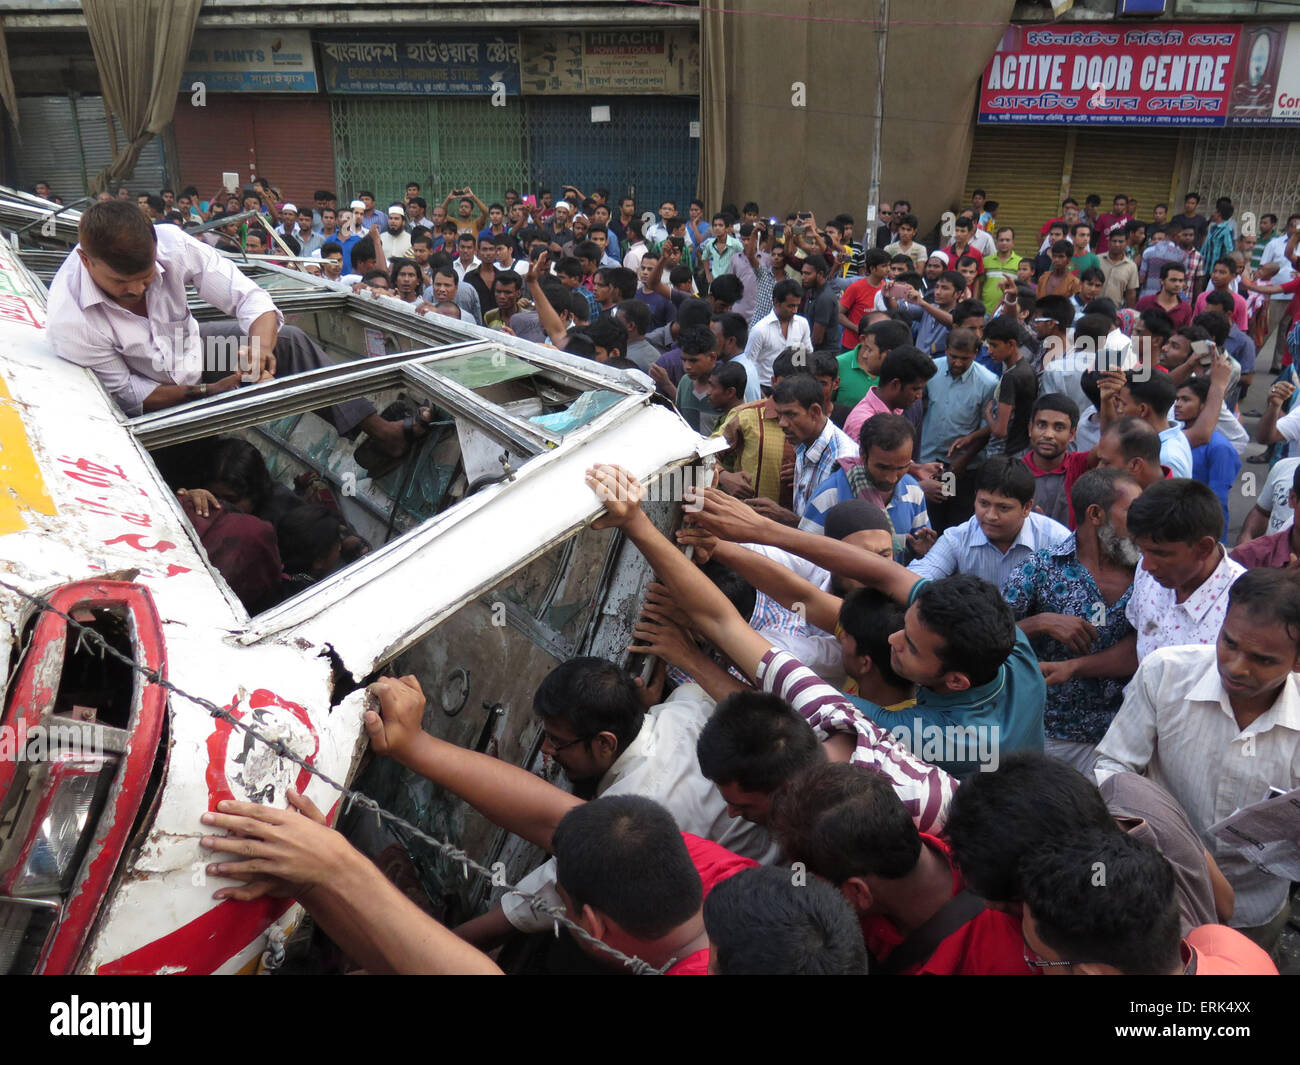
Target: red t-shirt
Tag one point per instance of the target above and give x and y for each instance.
(989, 944)
(1075, 466)
(714, 863)
(1105, 224)
(857, 300)
(952, 255)
(1293, 308)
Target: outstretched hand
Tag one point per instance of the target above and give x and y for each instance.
(286, 853)
(726, 517)
(397, 727)
(619, 491)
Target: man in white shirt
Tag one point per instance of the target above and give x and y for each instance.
(288, 221)
(467, 261)
(1149, 397)
(596, 727)
(658, 232)
(636, 246)
(782, 327)
(118, 306)
(1180, 592)
(1219, 726)
(396, 239)
(1272, 511)
(981, 240)
(1093, 333)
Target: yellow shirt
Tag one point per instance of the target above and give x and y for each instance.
(763, 450)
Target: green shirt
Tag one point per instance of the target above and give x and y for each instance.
(854, 380)
(698, 412)
(966, 731)
(1080, 263)
(995, 270)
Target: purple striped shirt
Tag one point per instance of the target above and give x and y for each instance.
(926, 790)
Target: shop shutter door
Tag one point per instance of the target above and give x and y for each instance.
(295, 148)
(290, 140)
(66, 143)
(443, 142)
(1256, 168)
(1136, 163)
(1021, 170)
(49, 148)
(211, 140)
(645, 147)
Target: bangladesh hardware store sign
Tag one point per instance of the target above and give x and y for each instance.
(1173, 74)
(460, 64)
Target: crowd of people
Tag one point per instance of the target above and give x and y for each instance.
(960, 622)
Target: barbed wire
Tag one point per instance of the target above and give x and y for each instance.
(353, 798)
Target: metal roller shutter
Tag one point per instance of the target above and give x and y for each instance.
(443, 142)
(64, 140)
(1257, 168)
(1136, 163)
(289, 139)
(646, 147)
(1021, 170)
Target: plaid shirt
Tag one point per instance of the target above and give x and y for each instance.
(815, 462)
(1195, 265)
(593, 308)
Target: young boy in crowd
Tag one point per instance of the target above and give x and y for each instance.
(699, 357)
(726, 390)
(1008, 413)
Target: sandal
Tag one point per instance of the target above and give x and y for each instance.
(379, 463)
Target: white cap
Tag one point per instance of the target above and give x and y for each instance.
(358, 205)
(397, 209)
(289, 207)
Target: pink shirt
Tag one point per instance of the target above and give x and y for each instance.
(868, 406)
(1239, 315)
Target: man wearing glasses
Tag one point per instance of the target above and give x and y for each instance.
(886, 231)
(600, 728)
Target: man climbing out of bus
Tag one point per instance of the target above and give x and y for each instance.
(118, 307)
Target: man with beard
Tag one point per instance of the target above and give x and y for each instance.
(396, 239)
(886, 443)
(1052, 426)
(1070, 601)
(610, 736)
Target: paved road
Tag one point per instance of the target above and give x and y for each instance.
(1247, 488)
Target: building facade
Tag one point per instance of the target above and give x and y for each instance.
(1181, 96)
(595, 94)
